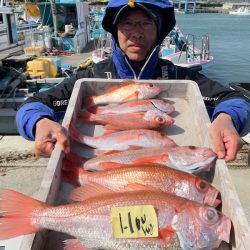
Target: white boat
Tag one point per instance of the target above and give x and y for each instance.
(243, 11)
(103, 49)
(182, 52)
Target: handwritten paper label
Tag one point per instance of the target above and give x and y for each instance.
(134, 221)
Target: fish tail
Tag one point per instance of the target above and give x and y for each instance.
(95, 110)
(16, 218)
(89, 101)
(74, 133)
(72, 160)
(76, 176)
(86, 116)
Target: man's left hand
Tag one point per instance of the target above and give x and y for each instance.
(226, 140)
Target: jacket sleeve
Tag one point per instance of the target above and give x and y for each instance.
(220, 99)
(51, 103)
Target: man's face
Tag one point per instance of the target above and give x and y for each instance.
(137, 35)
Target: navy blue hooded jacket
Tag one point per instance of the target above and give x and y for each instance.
(217, 98)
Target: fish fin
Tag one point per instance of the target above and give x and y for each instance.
(167, 234)
(17, 210)
(89, 190)
(134, 147)
(73, 244)
(89, 101)
(86, 116)
(76, 175)
(132, 96)
(217, 202)
(109, 129)
(112, 88)
(119, 85)
(75, 134)
(150, 159)
(105, 152)
(95, 110)
(109, 165)
(137, 186)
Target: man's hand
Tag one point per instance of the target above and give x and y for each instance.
(225, 138)
(48, 133)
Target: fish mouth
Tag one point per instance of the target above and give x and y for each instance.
(157, 107)
(225, 229)
(213, 198)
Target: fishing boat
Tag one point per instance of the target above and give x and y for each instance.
(13, 27)
(175, 47)
(101, 38)
(181, 49)
(242, 11)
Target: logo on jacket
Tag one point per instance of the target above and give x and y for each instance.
(164, 72)
(109, 75)
(60, 103)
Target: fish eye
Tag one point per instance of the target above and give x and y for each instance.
(150, 85)
(201, 185)
(160, 119)
(212, 214)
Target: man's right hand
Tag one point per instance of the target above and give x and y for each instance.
(48, 133)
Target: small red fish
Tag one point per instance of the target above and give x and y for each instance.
(189, 159)
(123, 140)
(141, 177)
(127, 91)
(149, 120)
(135, 107)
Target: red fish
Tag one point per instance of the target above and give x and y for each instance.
(149, 120)
(197, 226)
(186, 158)
(123, 140)
(127, 91)
(135, 107)
(141, 177)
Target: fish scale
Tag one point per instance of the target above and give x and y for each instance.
(186, 158)
(89, 220)
(122, 140)
(147, 176)
(135, 106)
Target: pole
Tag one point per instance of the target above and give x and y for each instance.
(54, 15)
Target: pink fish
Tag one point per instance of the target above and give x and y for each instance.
(141, 177)
(189, 159)
(135, 107)
(123, 140)
(149, 120)
(197, 226)
(127, 91)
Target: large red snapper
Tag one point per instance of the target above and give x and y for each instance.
(135, 106)
(189, 159)
(123, 140)
(141, 177)
(125, 92)
(148, 120)
(198, 226)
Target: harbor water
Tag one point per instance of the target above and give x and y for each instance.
(229, 44)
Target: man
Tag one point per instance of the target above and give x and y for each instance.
(137, 28)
